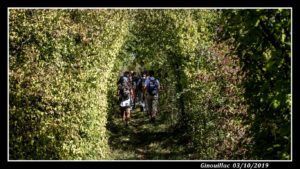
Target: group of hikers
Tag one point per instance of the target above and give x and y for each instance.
(138, 89)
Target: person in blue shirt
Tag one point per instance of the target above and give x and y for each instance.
(152, 87)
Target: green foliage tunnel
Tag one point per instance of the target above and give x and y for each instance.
(225, 77)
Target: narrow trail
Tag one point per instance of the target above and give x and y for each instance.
(143, 140)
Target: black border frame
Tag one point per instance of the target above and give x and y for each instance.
(5, 4)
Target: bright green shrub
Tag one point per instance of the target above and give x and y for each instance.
(59, 64)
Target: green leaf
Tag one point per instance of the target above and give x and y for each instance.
(276, 145)
(257, 22)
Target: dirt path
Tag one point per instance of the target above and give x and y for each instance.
(142, 140)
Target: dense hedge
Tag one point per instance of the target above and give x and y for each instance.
(59, 64)
(209, 65)
(262, 40)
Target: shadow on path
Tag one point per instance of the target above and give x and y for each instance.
(143, 140)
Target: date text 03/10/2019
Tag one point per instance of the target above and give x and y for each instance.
(235, 165)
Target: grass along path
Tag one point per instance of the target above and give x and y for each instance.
(143, 140)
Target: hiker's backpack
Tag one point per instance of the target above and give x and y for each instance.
(135, 80)
(153, 87)
(124, 88)
(141, 83)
